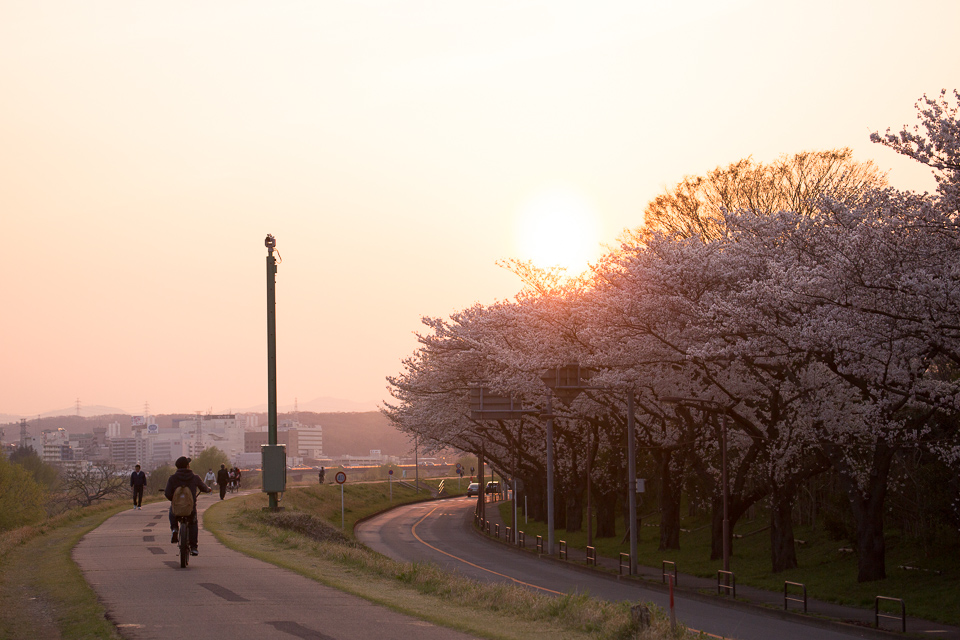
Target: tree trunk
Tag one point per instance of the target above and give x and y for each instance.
(670, 492)
(574, 511)
(867, 505)
(783, 550)
(605, 505)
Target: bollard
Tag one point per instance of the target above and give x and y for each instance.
(563, 550)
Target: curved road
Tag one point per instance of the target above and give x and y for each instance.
(441, 532)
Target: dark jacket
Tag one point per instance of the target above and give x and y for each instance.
(138, 479)
(188, 478)
(223, 477)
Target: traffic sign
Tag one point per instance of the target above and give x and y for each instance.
(390, 472)
(341, 477)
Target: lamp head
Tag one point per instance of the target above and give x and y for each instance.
(270, 242)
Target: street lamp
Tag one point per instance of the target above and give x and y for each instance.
(724, 410)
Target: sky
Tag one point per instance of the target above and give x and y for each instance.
(397, 150)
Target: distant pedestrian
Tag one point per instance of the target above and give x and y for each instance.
(138, 480)
(223, 477)
(209, 479)
(322, 474)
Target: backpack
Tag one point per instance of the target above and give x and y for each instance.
(182, 503)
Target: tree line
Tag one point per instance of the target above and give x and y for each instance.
(32, 490)
(806, 302)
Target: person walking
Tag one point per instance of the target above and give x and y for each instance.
(138, 480)
(223, 477)
(210, 479)
(185, 477)
(322, 474)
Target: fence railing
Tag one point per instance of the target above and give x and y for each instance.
(877, 615)
(726, 581)
(787, 599)
(663, 571)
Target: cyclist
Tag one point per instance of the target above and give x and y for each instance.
(238, 474)
(186, 477)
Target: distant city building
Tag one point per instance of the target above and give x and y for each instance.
(253, 440)
(221, 431)
(126, 452)
(309, 437)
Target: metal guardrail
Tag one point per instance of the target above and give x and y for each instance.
(521, 540)
(728, 577)
(622, 565)
(539, 544)
(663, 571)
(563, 549)
(591, 555)
(877, 615)
(787, 599)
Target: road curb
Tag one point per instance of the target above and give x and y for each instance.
(790, 616)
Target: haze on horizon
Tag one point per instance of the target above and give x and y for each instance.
(397, 151)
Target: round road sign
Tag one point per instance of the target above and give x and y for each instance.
(341, 477)
(390, 472)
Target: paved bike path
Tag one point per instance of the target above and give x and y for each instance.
(135, 570)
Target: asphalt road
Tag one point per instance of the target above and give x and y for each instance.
(440, 532)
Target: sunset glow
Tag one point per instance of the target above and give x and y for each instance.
(398, 151)
(557, 228)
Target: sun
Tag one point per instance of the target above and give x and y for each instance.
(557, 227)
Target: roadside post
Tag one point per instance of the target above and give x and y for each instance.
(673, 613)
(341, 478)
(390, 483)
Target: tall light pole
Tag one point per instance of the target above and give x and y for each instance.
(632, 482)
(550, 516)
(271, 244)
(715, 407)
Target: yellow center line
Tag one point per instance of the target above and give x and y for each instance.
(526, 584)
(476, 566)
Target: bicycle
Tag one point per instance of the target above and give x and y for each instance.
(183, 523)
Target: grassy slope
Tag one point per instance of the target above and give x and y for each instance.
(829, 574)
(42, 592)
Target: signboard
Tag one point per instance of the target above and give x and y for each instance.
(153, 428)
(137, 421)
(341, 477)
(485, 405)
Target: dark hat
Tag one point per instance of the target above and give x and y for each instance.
(182, 462)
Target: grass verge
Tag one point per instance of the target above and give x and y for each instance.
(828, 574)
(301, 540)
